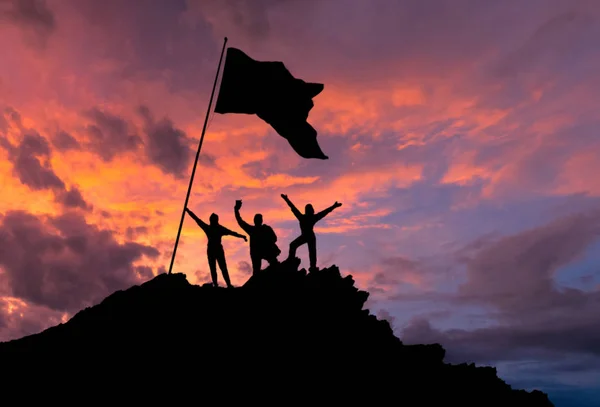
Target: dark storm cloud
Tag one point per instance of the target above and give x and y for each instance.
(65, 263)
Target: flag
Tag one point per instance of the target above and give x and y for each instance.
(268, 90)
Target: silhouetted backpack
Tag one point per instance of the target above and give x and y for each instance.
(270, 238)
(269, 234)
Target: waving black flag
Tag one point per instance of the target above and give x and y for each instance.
(268, 90)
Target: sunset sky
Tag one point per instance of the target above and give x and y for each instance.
(463, 138)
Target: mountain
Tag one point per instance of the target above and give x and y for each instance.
(285, 337)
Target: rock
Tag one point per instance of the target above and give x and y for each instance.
(284, 337)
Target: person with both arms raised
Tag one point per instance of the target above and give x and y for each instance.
(214, 250)
(307, 223)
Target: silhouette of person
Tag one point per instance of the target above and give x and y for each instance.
(214, 250)
(307, 220)
(263, 240)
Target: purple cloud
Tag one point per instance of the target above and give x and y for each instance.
(33, 16)
(63, 141)
(110, 135)
(72, 198)
(66, 263)
(18, 319)
(31, 165)
(133, 232)
(28, 168)
(166, 147)
(530, 316)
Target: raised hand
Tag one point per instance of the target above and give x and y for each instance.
(238, 204)
(284, 196)
(337, 204)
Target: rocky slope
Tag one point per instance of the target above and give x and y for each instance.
(285, 337)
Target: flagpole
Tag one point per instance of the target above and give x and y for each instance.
(187, 197)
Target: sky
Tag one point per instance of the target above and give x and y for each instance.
(462, 136)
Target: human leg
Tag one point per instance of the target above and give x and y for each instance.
(271, 254)
(299, 241)
(223, 266)
(212, 265)
(312, 251)
(256, 259)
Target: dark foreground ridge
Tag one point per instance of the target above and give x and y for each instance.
(285, 336)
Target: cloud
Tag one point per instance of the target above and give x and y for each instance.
(133, 232)
(19, 318)
(550, 41)
(33, 16)
(243, 17)
(65, 263)
(245, 268)
(398, 275)
(530, 316)
(109, 135)
(63, 141)
(511, 342)
(383, 314)
(166, 146)
(158, 142)
(26, 160)
(30, 158)
(516, 273)
(3, 124)
(72, 198)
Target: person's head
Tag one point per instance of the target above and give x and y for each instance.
(258, 220)
(214, 219)
(309, 210)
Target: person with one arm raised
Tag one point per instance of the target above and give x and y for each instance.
(214, 250)
(307, 221)
(263, 240)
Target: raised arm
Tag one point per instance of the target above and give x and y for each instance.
(295, 210)
(244, 225)
(199, 221)
(327, 211)
(227, 232)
